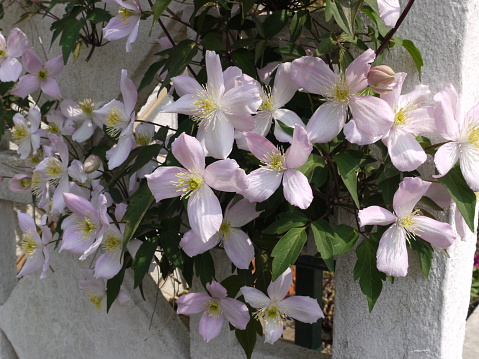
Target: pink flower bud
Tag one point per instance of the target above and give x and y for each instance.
(381, 79)
(91, 164)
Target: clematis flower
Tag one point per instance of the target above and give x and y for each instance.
(33, 246)
(126, 23)
(118, 119)
(58, 125)
(195, 182)
(15, 46)
(217, 111)
(392, 257)
(279, 167)
(40, 76)
(215, 308)
(389, 11)
(463, 134)
(95, 290)
(20, 183)
(83, 115)
(411, 117)
(84, 228)
(27, 136)
(237, 244)
(274, 307)
(372, 115)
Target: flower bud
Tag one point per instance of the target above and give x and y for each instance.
(381, 79)
(91, 164)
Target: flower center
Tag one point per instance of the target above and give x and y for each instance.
(214, 308)
(111, 241)
(189, 182)
(86, 227)
(3, 54)
(275, 161)
(206, 105)
(340, 92)
(28, 244)
(87, 106)
(53, 128)
(125, 13)
(114, 121)
(26, 182)
(19, 132)
(225, 229)
(54, 170)
(96, 301)
(37, 183)
(271, 312)
(402, 116)
(267, 104)
(42, 74)
(143, 137)
(473, 135)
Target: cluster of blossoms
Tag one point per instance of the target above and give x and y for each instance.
(232, 112)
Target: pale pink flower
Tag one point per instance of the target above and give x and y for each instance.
(280, 168)
(215, 308)
(274, 307)
(392, 257)
(382, 79)
(217, 109)
(372, 115)
(58, 124)
(20, 183)
(195, 182)
(41, 76)
(389, 11)
(15, 46)
(84, 115)
(463, 132)
(33, 246)
(95, 290)
(126, 23)
(119, 119)
(27, 135)
(237, 244)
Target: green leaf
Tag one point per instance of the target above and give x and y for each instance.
(344, 238)
(263, 270)
(98, 15)
(287, 250)
(113, 287)
(205, 268)
(332, 10)
(289, 130)
(297, 24)
(247, 338)
(350, 9)
(461, 193)
(179, 57)
(425, 252)
(232, 284)
(275, 22)
(158, 8)
(46, 107)
(415, 54)
(170, 241)
(145, 155)
(213, 41)
(245, 61)
(292, 50)
(325, 46)
(70, 36)
(324, 237)
(259, 50)
(143, 259)
(150, 74)
(315, 170)
(286, 221)
(2, 11)
(139, 204)
(370, 279)
(246, 6)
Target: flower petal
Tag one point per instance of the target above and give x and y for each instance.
(204, 213)
(355, 135)
(163, 182)
(239, 248)
(31, 61)
(438, 233)
(226, 175)
(406, 153)
(297, 190)
(79, 205)
(192, 303)
(326, 122)
(304, 309)
(357, 71)
(189, 152)
(241, 213)
(27, 224)
(54, 66)
(108, 265)
(17, 43)
(218, 137)
(259, 146)
(373, 116)
(185, 105)
(216, 290)
(210, 326)
(447, 113)
(186, 85)
(289, 118)
(446, 157)
(10, 70)
(273, 328)
(192, 244)
(128, 91)
(263, 182)
(278, 289)
(375, 215)
(255, 298)
(51, 88)
(214, 72)
(297, 154)
(26, 85)
(392, 256)
(389, 11)
(284, 87)
(236, 312)
(313, 75)
(409, 193)
(469, 161)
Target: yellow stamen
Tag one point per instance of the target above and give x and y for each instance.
(275, 161)
(214, 308)
(28, 244)
(96, 300)
(339, 92)
(53, 128)
(473, 135)
(111, 241)
(188, 183)
(37, 183)
(143, 138)
(3, 54)
(42, 74)
(271, 312)
(206, 105)
(19, 132)
(114, 121)
(225, 229)
(125, 13)
(267, 104)
(26, 182)
(87, 106)
(86, 227)
(54, 170)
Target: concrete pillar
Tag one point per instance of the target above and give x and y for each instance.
(8, 267)
(417, 317)
(6, 349)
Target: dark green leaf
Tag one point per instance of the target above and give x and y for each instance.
(275, 23)
(259, 50)
(415, 54)
(245, 61)
(232, 285)
(461, 193)
(98, 15)
(246, 6)
(213, 41)
(350, 9)
(158, 7)
(205, 268)
(292, 50)
(325, 46)
(324, 237)
(263, 270)
(333, 9)
(286, 221)
(46, 107)
(425, 252)
(344, 238)
(139, 204)
(170, 241)
(247, 338)
(150, 74)
(286, 128)
(287, 250)
(315, 170)
(145, 155)
(113, 287)
(70, 36)
(179, 57)
(370, 279)
(297, 24)
(143, 259)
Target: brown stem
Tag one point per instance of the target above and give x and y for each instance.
(391, 33)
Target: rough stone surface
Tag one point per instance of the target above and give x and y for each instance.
(7, 251)
(471, 341)
(6, 349)
(42, 312)
(10, 165)
(417, 317)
